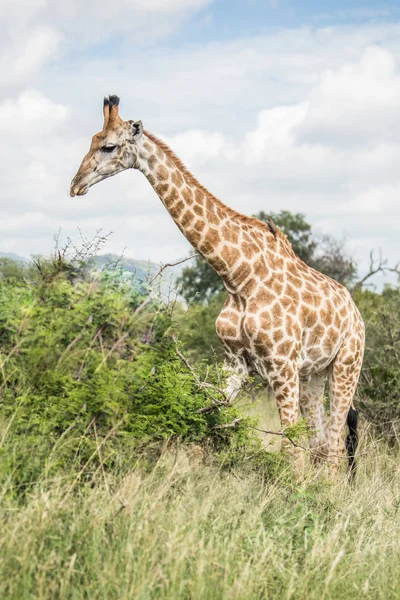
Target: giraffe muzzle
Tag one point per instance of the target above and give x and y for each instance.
(77, 187)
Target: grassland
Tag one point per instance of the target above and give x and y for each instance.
(189, 528)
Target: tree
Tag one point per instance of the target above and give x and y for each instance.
(324, 253)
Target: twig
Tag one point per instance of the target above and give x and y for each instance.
(375, 267)
(216, 403)
(114, 347)
(163, 267)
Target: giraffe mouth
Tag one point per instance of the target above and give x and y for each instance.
(78, 191)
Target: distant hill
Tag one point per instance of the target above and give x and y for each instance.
(143, 270)
(13, 256)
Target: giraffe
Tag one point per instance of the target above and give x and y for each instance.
(292, 325)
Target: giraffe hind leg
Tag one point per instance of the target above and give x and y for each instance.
(343, 382)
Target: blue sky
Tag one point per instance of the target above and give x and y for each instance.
(272, 104)
(227, 19)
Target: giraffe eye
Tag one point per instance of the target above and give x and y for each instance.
(108, 148)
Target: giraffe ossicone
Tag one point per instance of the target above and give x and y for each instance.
(281, 319)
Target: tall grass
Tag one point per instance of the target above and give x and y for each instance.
(191, 529)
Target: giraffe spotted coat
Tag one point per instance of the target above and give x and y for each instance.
(282, 319)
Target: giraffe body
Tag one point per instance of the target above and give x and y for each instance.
(282, 319)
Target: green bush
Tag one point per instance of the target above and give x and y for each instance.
(89, 374)
(379, 389)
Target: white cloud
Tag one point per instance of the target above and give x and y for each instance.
(360, 101)
(29, 114)
(26, 55)
(303, 120)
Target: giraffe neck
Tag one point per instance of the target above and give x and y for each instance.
(216, 231)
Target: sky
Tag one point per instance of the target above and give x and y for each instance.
(272, 104)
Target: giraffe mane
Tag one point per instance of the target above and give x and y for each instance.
(191, 179)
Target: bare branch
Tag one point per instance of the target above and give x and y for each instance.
(216, 403)
(163, 267)
(377, 266)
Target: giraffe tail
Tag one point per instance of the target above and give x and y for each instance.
(352, 440)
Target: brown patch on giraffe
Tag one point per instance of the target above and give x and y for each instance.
(261, 350)
(232, 316)
(187, 195)
(337, 321)
(292, 293)
(318, 332)
(249, 250)
(206, 247)
(230, 254)
(212, 236)
(249, 288)
(148, 147)
(309, 298)
(162, 188)
(199, 225)
(209, 205)
(286, 302)
(194, 237)
(159, 152)
(241, 273)
(294, 280)
(162, 173)
(289, 323)
(212, 218)
(277, 334)
(264, 297)
(176, 209)
(177, 179)
(326, 316)
(329, 341)
(250, 326)
(173, 196)
(198, 210)
(276, 311)
(199, 196)
(284, 348)
(220, 212)
(218, 265)
(260, 267)
(226, 329)
(151, 179)
(277, 284)
(265, 320)
(263, 340)
(312, 318)
(152, 161)
(310, 287)
(230, 234)
(296, 330)
(187, 218)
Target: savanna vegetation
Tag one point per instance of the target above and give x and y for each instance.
(124, 474)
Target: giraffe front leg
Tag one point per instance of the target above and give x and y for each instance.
(284, 380)
(236, 376)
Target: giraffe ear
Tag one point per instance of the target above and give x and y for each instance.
(137, 130)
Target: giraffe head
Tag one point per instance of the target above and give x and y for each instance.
(112, 150)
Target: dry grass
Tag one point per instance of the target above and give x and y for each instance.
(190, 529)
